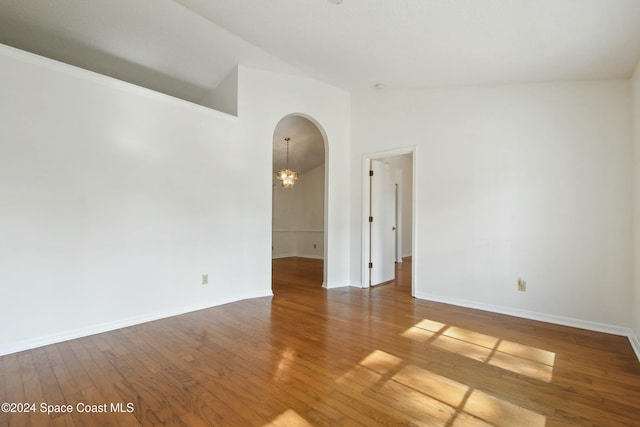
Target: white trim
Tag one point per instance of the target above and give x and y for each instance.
(335, 285)
(635, 343)
(279, 256)
(131, 321)
(310, 256)
(366, 166)
(110, 82)
(285, 255)
(533, 315)
(542, 317)
(298, 231)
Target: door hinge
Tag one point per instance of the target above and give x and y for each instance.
(370, 219)
(371, 173)
(370, 265)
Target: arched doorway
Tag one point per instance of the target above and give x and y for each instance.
(299, 232)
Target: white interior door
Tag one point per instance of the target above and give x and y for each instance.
(382, 224)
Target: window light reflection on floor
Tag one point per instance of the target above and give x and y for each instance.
(380, 362)
(289, 418)
(519, 358)
(432, 398)
(472, 406)
(284, 365)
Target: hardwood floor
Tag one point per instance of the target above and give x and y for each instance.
(346, 356)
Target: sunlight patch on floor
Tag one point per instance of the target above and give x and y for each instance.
(418, 334)
(419, 406)
(380, 362)
(448, 391)
(435, 399)
(482, 407)
(289, 418)
(359, 375)
(464, 348)
(424, 330)
(471, 337)
(523, 366)
(371, 369)
(284, 365)
(519, 358)
(527, 352)
(500, 412)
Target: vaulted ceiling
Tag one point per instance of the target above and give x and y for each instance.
(418, 43)
(158, 44)
(186, 47)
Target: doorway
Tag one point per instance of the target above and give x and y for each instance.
(388, 223)
(299, 212)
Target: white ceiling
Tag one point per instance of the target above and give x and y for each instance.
(306, 147)
(186, 47)
(419, 43)
(158, 44)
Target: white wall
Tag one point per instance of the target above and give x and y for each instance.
(298, 217)
(115, 199)
(636, 211)
(264, 99)
(530, 181)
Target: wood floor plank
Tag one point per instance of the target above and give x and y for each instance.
(4, 420)
(51, 388)
(32, 387)
(352, 357)
(15, 392)
(102, 380)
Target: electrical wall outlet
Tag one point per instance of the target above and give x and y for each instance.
(314, 246)
(205, 279)
(522, 285)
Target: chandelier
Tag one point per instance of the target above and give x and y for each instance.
(287, 177)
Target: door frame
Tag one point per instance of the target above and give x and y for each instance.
(366, 191)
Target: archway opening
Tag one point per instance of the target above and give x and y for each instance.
(299, 236)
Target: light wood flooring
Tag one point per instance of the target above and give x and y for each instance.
(310, 356)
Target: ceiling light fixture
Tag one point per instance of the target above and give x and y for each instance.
(287, 177)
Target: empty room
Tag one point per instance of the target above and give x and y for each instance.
(320, 212)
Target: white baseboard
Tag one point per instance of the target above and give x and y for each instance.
(543, 317)
(279, 256)
(635, 343)
(131, 321)
(334, 285)
(311, 256)
(342, 285)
